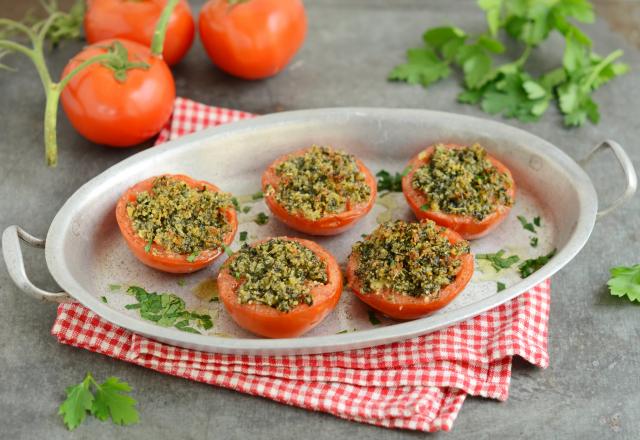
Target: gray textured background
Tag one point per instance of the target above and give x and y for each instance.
(591, 390)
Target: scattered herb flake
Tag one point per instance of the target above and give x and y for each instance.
(114, 287)
(500, 286)
(104, 299)
(246, 209)
(498, 262)
(236, 204)
(537, 221)
(531, 265)
(227, 250)
(373, 319)
(257, 196)
(243, 236)
(167, 310)
(110, 400)
(389, 182)
(261, 219)
(625, 281)
(342, 332)
(526, 225)
(192, 257)
(181, 282)
(533, 241)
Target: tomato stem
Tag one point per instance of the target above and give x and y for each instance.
(160, 32)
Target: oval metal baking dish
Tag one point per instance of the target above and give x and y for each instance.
(85, 252)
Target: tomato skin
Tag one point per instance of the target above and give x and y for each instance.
(163, 259)
(404, 307)
(271, 323)
(329, 225)
(252, 40)
(136, 21)
(467, 227)
(119, 114)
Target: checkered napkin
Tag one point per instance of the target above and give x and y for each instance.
(417, 384)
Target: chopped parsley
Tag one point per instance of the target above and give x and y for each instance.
(536, 221)
(500, 286)
(167, 310)
(414, 259)
(243, 236)
(531, 265)
(261, 219)
(236, 204)
(533, 241)
(320, 182)
(104, 299)
(526, 225)
(462, 181)
(114, 287)
(391, 182)
(181, 282)
(278, 273)
(246, 209)
(498, 261)
(180, 218)
(373, 319)
(257, 196)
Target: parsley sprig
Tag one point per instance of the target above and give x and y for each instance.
(167, 310)
(625, 281)
(508, 89)
(102, 400)
(391, 182)
(527, 267)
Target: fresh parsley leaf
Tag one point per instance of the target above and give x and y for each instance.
(533, 241)
(79, 400)
(257, 196)
(114, 287)
(243, 236)
(625, 281)
(391, 182)
(423, 67)
(103, 299)
(527, 267)
(498, 262)
(261, 219)
(526, 225)
(500, 286)
(111, 401)
(373, 319)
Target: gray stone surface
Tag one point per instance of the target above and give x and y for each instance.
(590, 391)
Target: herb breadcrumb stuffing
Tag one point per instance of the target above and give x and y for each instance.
(462, 181)
(414, 259)
(278, 273)
(320, 182)
(180, 218)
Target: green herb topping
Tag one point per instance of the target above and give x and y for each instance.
(279, 273)
(462, 181)
(410, 258)
(180, 218)
(167, 310)
(527, 267)
(320, 182)
(391, 182)
(261, 219)
(498, 260)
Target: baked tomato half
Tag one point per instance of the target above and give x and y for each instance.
(136, 21)
(252, 39)
(175, 223)
(408, 270)
(121, 103)
(280, 287)
(319, 190)
(471, 201)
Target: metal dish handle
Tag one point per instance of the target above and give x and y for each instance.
(15, 264)
(627, 167)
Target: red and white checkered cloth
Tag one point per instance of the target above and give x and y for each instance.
(417, 384)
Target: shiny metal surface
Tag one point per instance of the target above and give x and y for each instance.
(84, 250)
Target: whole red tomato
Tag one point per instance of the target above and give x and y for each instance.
(122, 103)
(135, 20)
(252, 39)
